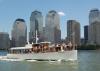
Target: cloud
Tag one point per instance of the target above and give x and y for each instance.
(61, 13)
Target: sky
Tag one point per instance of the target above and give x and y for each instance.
(77, 10)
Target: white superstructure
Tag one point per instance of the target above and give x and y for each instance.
(42, 53)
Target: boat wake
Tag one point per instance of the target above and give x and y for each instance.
(4, 58)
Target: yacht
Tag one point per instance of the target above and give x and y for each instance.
(44, 51)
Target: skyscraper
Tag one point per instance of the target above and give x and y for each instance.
(94, 15)
(52, 27)
(86, 34)
(36, 24)
(94, 27)
(19, 33)
(4, 40)
(73, 32)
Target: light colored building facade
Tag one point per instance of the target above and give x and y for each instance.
(19, 33)
(94, 27)
(73, 32)
(4, 40)
(52, 27)
(94, 15)
(36, 24)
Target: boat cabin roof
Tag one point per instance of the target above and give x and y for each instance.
(45, 42)
(19, 48)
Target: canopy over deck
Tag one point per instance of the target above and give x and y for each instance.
(29, 46)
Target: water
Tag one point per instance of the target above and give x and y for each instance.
(87, 61)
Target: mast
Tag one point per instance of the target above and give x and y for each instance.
(36, 31)
(36, 37)
(73, 38)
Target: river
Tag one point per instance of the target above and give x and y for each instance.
(87, 61)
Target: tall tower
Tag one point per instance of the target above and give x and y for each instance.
(73, 32)
(36, 24)
(86, 34)
(4, 40)
(19, 33)
(52, 27)
(94, 15)
(94, 27)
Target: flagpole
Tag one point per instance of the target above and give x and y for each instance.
(73, 35)
(36, 37)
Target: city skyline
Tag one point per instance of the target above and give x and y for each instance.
(19, 33)
(68, 9)
(94, 27)
(73, 32)
(52, 27)
(36, 24)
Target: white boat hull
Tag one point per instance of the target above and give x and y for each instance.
(65, 55)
